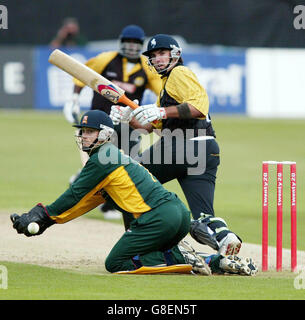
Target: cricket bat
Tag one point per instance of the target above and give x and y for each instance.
(90, 78)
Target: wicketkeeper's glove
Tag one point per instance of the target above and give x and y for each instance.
(38, 214)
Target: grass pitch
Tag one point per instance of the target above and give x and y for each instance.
(29, 282)
(39, 155)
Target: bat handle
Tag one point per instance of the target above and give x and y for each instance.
(128, 102)
(131, 104)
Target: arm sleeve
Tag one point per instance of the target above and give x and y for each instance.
(183, 86)
(82, 196)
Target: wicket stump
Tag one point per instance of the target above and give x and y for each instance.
(279, 210)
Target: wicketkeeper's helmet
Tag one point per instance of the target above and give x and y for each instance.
(95, 119)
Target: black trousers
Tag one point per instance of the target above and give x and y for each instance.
(126, 138)
(192, 162)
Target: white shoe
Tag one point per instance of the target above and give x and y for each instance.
(237, 265)
(199, 265)
(112, 215)
(74, 176)
(229, 245)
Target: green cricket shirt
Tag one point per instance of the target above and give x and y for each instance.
(110, 174)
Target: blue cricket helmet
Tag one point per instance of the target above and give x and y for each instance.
(133, 32)
(161, 41)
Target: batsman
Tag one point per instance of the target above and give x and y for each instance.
(154, 242)
(182, 107)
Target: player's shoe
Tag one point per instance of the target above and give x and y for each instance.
(237, 265)
(112, 215)
(199, 266)
(229, 245)
(74, 176)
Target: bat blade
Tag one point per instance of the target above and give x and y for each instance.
(87, 76)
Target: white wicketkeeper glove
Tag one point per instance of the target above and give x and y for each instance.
(121, 114)
(148, 113)
(72, 109)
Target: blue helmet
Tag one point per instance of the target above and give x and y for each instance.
(161, 41)
(133, 32)
(131, 42)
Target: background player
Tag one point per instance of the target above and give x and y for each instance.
(129, 70)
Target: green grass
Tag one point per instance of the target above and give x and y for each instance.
(29, 282)
(244, 144)
(38, 156)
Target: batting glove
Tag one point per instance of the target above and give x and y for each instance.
(38, 214)
(72, 109)
(148, 113)
(121, 114)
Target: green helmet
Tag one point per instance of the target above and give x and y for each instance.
(95, 119)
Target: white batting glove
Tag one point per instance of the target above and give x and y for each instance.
(71, 109)
(120, 114)
(148, 113)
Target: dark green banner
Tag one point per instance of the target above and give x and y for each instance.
(16, 74)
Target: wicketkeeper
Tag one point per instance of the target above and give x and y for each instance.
(160, 222)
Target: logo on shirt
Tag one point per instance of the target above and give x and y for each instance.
(111, 74)
(139, 81)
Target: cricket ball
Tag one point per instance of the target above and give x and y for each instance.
(33, 228)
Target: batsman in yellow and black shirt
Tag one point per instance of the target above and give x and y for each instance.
(187, 150)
